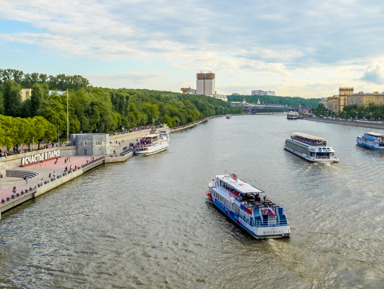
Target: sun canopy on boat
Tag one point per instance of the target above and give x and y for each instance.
(151, 135)
(374, 134)
(239, 185)
(307, 136)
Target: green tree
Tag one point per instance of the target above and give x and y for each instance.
(39, 93)
(1, 103)
(152, 112)
(133, 114)
(12, 98)
(53, 110)
(6, 125)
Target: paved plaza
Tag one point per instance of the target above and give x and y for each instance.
(43, 170)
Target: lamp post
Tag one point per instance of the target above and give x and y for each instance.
(67, 119)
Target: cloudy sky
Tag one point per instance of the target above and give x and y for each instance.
(293, 47)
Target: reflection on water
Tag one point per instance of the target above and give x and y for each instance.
(146, 223)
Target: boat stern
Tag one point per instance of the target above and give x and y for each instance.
(273, 232)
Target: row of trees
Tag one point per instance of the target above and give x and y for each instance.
(103, 110)
(370, 112)
(16, 130)
(54, 82)
(277, 100)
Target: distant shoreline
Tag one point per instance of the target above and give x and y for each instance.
(366, 124)
(192, 124)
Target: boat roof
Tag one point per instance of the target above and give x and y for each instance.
(374, 134)
(307, 136)
(152, 135)
(239, 185)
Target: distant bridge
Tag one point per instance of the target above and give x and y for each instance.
(253, 108)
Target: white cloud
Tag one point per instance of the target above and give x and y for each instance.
(298, 45)
(373, 74)
(129, 80)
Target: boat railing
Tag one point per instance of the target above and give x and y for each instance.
(281, 219)
(264, 223)
(144, 145)
(323, 157)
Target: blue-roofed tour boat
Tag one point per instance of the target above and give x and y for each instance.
(248, 207)
(371, 140)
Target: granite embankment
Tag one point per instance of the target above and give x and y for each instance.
(31, 181)
(367, 124)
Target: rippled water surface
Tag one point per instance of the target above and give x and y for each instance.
(145, 223)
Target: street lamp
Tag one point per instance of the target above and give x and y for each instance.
(67, 119)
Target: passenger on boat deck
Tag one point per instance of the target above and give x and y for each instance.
(265, 200)
(258, 199)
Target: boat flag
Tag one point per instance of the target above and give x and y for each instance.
(271, 212)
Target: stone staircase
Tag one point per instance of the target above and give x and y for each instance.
(20, 174)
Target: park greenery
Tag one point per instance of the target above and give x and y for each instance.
(43, 117)
(371, 112)
(292, 102)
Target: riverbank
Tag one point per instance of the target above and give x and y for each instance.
(29, 182)
(190, 125)
(367, 124)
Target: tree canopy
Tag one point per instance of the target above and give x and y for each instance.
(277, 100)
(92, 109)
(370, 112)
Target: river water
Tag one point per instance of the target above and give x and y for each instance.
(145, 223)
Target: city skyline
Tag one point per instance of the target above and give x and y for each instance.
(302, 48)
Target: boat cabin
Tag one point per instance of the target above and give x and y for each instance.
(375, 135)
(239, 190)
(149, 139)
(309, 139)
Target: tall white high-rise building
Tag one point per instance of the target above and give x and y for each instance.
(262, 92)
(205, 83)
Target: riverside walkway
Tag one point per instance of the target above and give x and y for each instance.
(41, 177)
(49, 174)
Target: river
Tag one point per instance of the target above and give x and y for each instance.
(146, 223)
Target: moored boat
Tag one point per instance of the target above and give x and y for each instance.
(248, 207)
(292, 115)
(228, 116)
(152, 143)
(311, 148)
(371, 140)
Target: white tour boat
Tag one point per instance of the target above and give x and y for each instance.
(248, 207)
(153, 143)
(311, 148)
(371, 140)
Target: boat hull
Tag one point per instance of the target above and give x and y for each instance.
(152, 151)
(368, 144)
(304, 151)
(276, 232)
